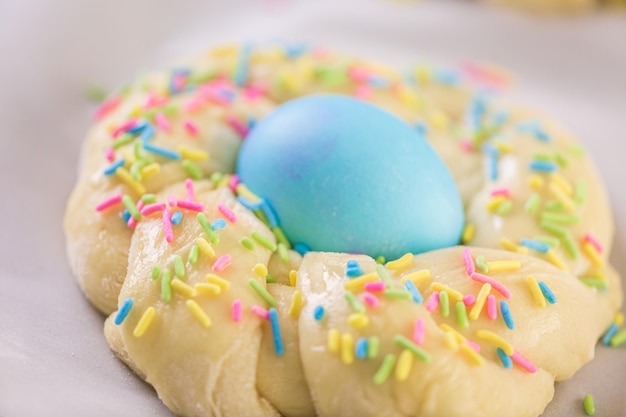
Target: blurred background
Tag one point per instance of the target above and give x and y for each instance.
(53, 358)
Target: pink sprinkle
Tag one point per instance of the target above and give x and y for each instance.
(260, 312)
(433, 302)
(107, 107)
(492, 309)
(358, 74)
(190, 205)
(191, 194)
(237, 310)
(233, 181)
(363, 92)
(470, 268)
(506, 293)
(237, 125)
(228, 213)
(466, 145)
(109, 154)
(161, 121)
(171, 200)
(129, 124)
(253, 93)
(501, 191)
(377, 286)
(167, 226)
(132, 222)
(419, 331)
(469, 300)
(482, 75)
(179, 81)
(222, 263)
(193, 104)
(190, 127)
(370, 299)
(116, 199)
(523, 362)
(154, 101)
(153, 208)
(473, 345)
(594, 242)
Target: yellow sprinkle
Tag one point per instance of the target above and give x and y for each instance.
(407, 97)
(401, 263)
(150, 169)
(496, 340)
(358, 320)
(404, 365)
(260, 270)
(592, 253)
(296, 304)
(242, 190)
(560, 195)
(555, 260)
(183, 288)
(438, 120)
(417, 277)
(513, 247)
(293, 277)
(205, 247)
(206, 288)
(124, 176)
(193, 154)
(198, 313)
(504, 266)
(451, 330)
(504, 147)
(452, 293)
(359, 283)
(495, 202)
(480, 301)
(473, 356)
(451, 341)
(224, 51)
(144, 322)
(619, 319)
(333, 340)
(536, 181)
(562, 183)
(424, 75)
(215, 280)
(468, 233)
(347, 348)
(136, 111)
(535, 291)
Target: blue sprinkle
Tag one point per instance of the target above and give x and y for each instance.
(251, 123)
(218, 224)
(301, 248)
(500, 118)
(504, 358)
(421, 128)
(318, 313)
(535, 245)
(354, 271)
(269, 212)
(147, 133)
(492, 155)
(543, 166)
(123, 311)
(173, 89)
(378, 82)
(177, 217)
(250, 205)
(415, 293)
(611, 331)
(126, 216)
(113, 167)
(352, 264)
(295, 50)
(535, 129)
(167, 153)
(278, 340)
(240, 77)
(505, 311)
(446, 77)
(547, 292)
(360, 350)
(138, 128)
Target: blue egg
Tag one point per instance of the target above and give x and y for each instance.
(343, 175)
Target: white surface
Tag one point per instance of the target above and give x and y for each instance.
(53, 357)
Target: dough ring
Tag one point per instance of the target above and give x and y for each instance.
(223, 318)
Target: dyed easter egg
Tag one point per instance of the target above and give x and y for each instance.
(343, 175)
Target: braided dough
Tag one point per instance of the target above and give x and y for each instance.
(181, 334)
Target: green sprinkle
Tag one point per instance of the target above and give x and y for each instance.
(385, 369)
(398, 294)
(206, 226)
(580, 192)
(261, 216)
(263, 241)
(552, 228)
(570, 245)
(384, 275)
(179, 266)
(170, 109)
(481, 264)
(560, 218)
(444, 303)
(148, 198)
(380, 259)
(262, 292)
(548, 240)
(192, 169)
(504, 208)
(166, 288)
(543, 157)
(135, 171)
(216, 177)
(131, 207)
(280, 237)
(619, 339)
(203, 77)
(247, 243)
(373, 345)
(561, 160)
(408, 344)
(96, 93)
(332, 77)
(193, 254)
(461, 314)
(137, 147)
(532, 204)
(270, 279)
(124, 140)
(590, 408)
(554, 205)
(600, 284)
(283, 253)
(577, 151)
(156, 272)
(356, 305)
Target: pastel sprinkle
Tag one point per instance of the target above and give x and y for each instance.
(492, 309)
(360, 349)
(109, 202)
(536, 292)
(167, 226)
(417, 277)
(347, 348)
(402, 263)
(505, 311)
(371, 300)
(190, 127)
(293, 277)
(504, 358)
(543, 166)
(377, 286)
(318, 313)
(156, 272)
(260, 270)
(355, 304)
(260, 312)
(403, 367)
(444, 304)
(416, 350)
(619, 339)
(205, 248)
(469, 300)
(452, 293)
(123, 311)
(383, 275)
(263, 241)
(333, 340)
(481, 264)
(609, 334)
(373, 344)
(110, 170)
(588, 405)
(535, 245)
(419, 331)
(198, 313)
(297, 303)
(358, 320)
(177, 217)
(179, 266)
(358, 284)
(165, 153)
(276, 332)
(228, 213)
(144, 322)
(385, 369)
(474, 357)
(166, 286)
(461, 315)
(468, 233)
(432, 302)
(182, 288)
(192, 258)
(554, 259)
(400, 294)
(247, 243)
(193, 170)
(222, 263)
(190, 205)
(207, 289)
(262, 292)
(523, 362)
(547, 292)
(593, 255)
(594, 242)
(481, 298)
(283, 253)
(236, 311)
(152, 208)
(415, 293)
(496, 340)
(504, 266)
(496, 285)
(470, 267)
